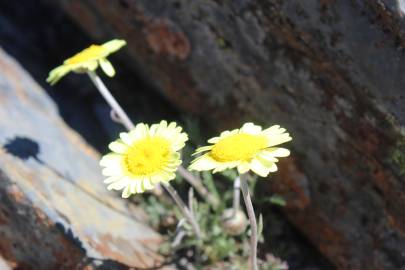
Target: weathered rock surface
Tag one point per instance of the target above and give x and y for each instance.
(332, 72)
(55, 212)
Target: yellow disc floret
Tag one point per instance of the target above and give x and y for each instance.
(91, 53)
(240, 146)
(147, 156)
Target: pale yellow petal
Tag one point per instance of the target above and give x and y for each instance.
(202, 149)
(273, 168)
(273, 130)
(57, 73)
(267, 156)
(85, 66)
(214, 140)
(107, 67)
(118, 147)
(114, 45)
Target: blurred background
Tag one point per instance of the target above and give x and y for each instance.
(330, 72)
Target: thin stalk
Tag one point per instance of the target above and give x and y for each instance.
(129, 125)
(111, 100)
(236, 195)
(252, 219)
(186, 212)
(197, 184)
(118, 114)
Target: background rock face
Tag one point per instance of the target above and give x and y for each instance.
(55, 212)
(330, 71)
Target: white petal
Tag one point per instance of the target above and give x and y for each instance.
(112, 179)
(278, 152)
(243, 167)
(110, 159)
(118, 147)
(258, 168)
(142, 129)
(162, 127)
(147, 185)
(267, 156)
(126, 138)
(126, 192)
(273, 168)
(118, 185)
(203, 163)
(133, 186)
(112, 171)
(278, 139)
(251, 128)
(138, 186)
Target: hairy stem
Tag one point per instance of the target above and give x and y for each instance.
(111, 100)
(124, 119)
(197, 184)
(252, 219)
(186, 211)
(236, 195)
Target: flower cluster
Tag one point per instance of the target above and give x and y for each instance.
(147, 156)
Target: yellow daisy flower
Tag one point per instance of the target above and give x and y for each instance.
(143, 157)
(247, 148)
(88, 60)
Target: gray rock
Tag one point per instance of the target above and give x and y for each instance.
(55, 212)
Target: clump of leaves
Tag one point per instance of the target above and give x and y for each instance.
(217, 249)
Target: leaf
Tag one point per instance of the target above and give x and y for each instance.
(260, 226)
(278, 200)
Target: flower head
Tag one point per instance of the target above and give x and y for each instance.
(247, 148)
(143, 157)
(88, 60)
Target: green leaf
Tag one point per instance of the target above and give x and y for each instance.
(278, 200)
(260, 226)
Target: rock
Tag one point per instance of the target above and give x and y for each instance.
(55, 212)
(332, 72)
